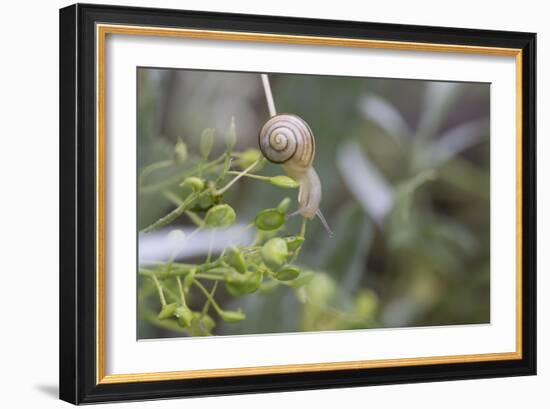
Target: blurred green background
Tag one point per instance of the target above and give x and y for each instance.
(404, 166)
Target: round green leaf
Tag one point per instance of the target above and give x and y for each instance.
(269, 219)
(287, 273)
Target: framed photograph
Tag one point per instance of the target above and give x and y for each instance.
(257, 203)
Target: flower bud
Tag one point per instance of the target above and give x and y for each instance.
(247, 158)
(235, 259)
(181, 151)
(239, 284)
(195, 183)
(269, 219)
(206, 142)
(284, 205)
(220, 216)
(287, 273)
(184, 316)
(293, 242)
(167, 311)
(284, 181)
(231, 135)
(231, 316)
(204, 203)
(274, 253)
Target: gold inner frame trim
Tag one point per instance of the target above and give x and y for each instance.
(101, 33)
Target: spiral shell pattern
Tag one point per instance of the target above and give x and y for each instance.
(287, 139)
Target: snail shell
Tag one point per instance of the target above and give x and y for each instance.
(288, 140)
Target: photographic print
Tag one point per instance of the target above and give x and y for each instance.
(280, 203)
(334, 203)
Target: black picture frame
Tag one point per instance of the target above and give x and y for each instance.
(78, 360)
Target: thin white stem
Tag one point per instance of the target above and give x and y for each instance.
(180, 289)
(240, 175)
(177, 251)
(268, 95)
(159, 289)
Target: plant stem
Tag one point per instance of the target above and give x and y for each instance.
(207, 276)
(201, 167)
(303, 234)
(303, 228)
(159, 289)
(207, 303)
(174, 198)
(153, 167)
(180, 288)
(250, 175)
(210, 244)
(194, 218)
(208, 296)
(183, 269)
(235, 179)
(178, 211)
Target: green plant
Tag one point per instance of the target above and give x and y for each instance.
(198, 191)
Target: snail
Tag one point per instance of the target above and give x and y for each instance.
(287, 139)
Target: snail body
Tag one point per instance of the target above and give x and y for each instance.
(287, 139)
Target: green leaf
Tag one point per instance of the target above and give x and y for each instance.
(287, 273)
(269, 219)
